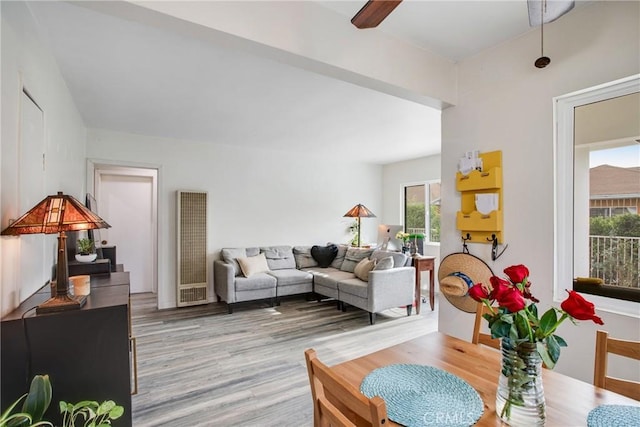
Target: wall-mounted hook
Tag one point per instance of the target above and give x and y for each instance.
(465, 248)
(494, 247)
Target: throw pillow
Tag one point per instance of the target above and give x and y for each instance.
(230, 255)
(324, 255)
(342, 251)
(353, 257)
(279, 257)
(363, 268)
(253, 265)
(384, 263)
(303, 257)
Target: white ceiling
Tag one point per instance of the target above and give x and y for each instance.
(129, 77)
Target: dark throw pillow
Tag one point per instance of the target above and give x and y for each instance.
(324, 255)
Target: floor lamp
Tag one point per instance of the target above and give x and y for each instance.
(359, 211)
(57, 214)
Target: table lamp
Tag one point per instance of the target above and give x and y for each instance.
(57, 214)
(359, 211)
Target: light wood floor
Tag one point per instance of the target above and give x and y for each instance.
(200, 366)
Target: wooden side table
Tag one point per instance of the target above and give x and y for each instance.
(424, 263)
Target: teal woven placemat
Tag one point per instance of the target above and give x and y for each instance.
(614, 416)
(418, 395)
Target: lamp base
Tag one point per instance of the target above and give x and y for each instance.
(61, 303)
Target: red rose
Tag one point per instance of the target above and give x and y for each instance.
(479, 292)
(499, 286)
(579, 308)
(511, 299)
(517, 273)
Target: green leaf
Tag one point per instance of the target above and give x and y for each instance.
(554, 349)
(5, 415)
(533, 310)
(522, 322)
(500, 329)
(548, 321)
(65, 407)
(544, 354)
(116, 412)
(17, 419)
(508, 318)
(38, 398)
(560, 340)
(105, 407)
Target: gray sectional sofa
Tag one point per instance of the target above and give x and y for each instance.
(293, 270)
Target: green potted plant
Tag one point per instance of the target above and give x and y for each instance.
(86, 250)
(92, 413)
(35, 404)
(87, 413)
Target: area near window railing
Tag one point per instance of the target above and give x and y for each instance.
(615, 260)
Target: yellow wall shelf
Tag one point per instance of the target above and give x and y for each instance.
(478, 227)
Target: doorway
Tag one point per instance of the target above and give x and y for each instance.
(126, 198)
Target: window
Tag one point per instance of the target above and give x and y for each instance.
(416, 215)
(597, 226)
(614, 224)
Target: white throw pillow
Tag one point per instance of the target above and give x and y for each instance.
(384, 263)
(363, 268)
(253, 265)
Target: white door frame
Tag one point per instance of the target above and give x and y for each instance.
(95, 168)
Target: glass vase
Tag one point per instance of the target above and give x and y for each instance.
(520, 396)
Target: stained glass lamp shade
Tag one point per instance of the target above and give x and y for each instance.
(57, 214)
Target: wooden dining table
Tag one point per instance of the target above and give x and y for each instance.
(568, 400)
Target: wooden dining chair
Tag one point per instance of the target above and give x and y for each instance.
(606, 345)
(481, 337)
(337, 403)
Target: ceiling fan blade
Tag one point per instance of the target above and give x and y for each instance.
(374, 12)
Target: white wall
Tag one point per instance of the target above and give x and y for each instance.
(256, 197)
(26, 62)
(505, 103)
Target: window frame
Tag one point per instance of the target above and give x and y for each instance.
(564, 171)
(427, 197)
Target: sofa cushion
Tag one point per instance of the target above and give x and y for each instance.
(385, 263)
(353, 257)
(354, 287)
(230, 256)
(253, 265)
(329, 276)
(288, 277)
(302, 255)
(363, 268)
(279, 257)
(256, 281)
(342, 251)
(324, 255)
(399, 259)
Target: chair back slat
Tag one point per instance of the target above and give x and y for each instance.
(625, 348)
(338, 403)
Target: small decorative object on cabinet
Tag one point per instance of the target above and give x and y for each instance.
(86, 251)
(486, 186)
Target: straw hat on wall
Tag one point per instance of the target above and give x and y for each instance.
(457, 273)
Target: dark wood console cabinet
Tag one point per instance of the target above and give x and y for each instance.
(85, 352)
